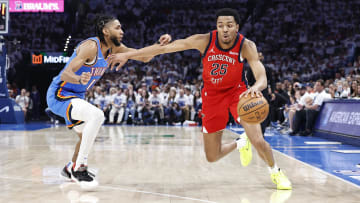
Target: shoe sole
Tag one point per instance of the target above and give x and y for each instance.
(84, 186)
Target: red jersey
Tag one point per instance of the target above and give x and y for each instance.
(223, 68)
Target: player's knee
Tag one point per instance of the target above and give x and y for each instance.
(98, 115)
(259, 143)
(211, 158)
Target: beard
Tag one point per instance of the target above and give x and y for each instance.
(115, 41)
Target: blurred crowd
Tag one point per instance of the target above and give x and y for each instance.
(311, 48)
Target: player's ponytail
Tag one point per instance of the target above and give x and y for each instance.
(100, 22)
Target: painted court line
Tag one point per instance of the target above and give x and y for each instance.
(321, 143)
(119, 188)
(320, 170)
(155, 193)
(347, 151)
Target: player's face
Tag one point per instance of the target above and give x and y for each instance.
(115, 32)
(227, 29)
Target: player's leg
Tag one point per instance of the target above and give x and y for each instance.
(253, 131)
(214, 150)
(93, 118)
(66, 172)
(264, 150)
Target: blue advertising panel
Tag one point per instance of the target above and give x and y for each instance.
(10, 111)
(340, 120)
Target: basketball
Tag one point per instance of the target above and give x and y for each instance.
(253, 110)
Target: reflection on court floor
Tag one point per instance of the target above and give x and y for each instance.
(167, 164)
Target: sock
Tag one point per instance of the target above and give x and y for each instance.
(69, 165)
(273, 169)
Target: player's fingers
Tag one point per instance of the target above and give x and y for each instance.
(246, 93)
(242, 94)
(252, 93)
(258, 94)
(119, 66)
(112, 66)
(165, 39)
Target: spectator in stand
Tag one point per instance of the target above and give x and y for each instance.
(311, 110)
(30, 107)
(182, 101)
(354, 89)
(35, 96)
(130, 105)
(168, 103)
(147, 114)
(197, 105)
(297, 105)
(118, 104)
(277, 103)
(103, 102)
(23, 101)
(176, 115)
(156, 106)
(189, 102)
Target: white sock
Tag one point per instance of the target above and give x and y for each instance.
(273, 169)
(93, 118)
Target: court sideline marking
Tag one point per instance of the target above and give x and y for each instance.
(309, 165)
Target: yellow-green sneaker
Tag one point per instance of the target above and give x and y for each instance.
(281, 181)
(244, 146)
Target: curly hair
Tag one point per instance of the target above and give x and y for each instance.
(100, 22)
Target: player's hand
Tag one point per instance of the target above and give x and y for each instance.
(85, 77)
(119, 58)
(253, 92)
(165, 39)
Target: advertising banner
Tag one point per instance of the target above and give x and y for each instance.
(10, 111)
(49, 58)
(36, 6)
(340, 117)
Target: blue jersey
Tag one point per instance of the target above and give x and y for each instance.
(60, 93)
(65, 90)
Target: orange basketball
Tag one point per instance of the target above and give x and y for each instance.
(253, 110)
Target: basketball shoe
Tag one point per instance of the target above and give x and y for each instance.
(281, 181)
(244, 146)
(82, 177)
(66, 172)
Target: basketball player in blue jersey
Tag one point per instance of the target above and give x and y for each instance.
(65, 96)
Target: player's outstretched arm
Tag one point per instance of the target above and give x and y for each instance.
(163, 40)
(198, 42)
(249, 52)
(85, 52)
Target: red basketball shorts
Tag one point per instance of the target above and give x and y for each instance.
(216, 107)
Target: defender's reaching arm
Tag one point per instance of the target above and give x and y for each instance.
(198, 42)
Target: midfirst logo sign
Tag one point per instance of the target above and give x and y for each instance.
(49, 58)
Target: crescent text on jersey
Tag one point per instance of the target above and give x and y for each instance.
(221, 57)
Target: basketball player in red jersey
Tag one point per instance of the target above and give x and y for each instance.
(224, 51)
